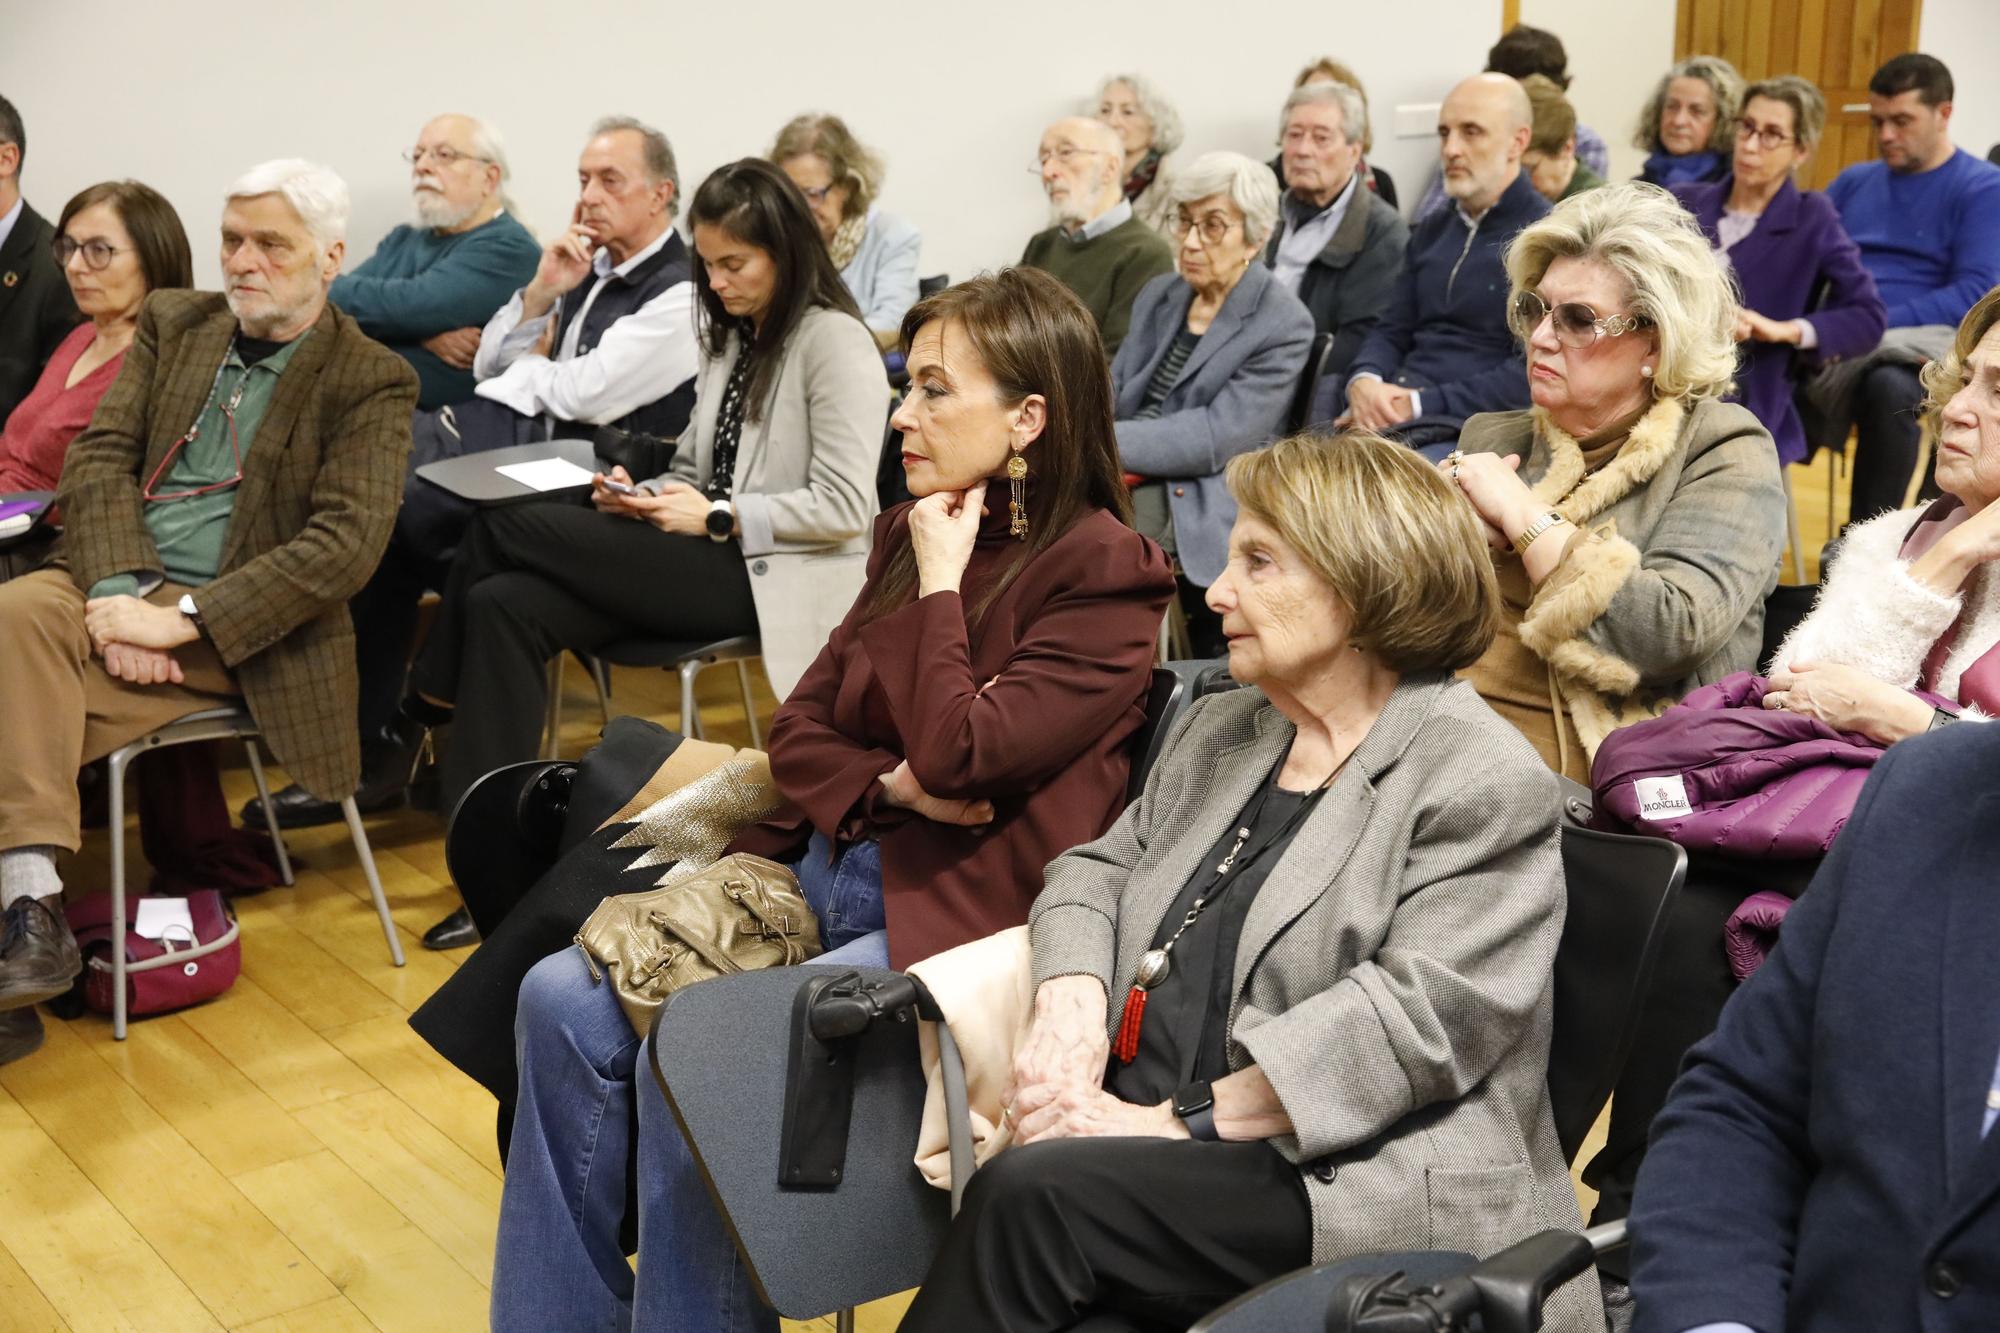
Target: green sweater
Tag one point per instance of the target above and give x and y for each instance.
(1105, 272)
(419, 284)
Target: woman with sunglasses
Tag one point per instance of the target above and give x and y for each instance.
(1208, 371)
(1786, 247)
(115, 242)
(1636, 519)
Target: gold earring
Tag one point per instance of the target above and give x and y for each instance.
(1017, 499)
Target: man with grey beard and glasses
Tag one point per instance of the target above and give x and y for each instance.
(432, 284)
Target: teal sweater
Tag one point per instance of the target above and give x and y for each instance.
(419, 284)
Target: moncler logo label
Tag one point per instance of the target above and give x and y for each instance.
(1662, 798)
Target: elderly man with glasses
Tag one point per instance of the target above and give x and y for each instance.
(432, 284)
(232, 492)
(1094, 244)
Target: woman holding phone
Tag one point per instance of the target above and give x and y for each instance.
(760, 527)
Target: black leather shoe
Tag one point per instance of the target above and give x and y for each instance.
(454, 932)
(38, 955)
(386, 761)
(20, 1034)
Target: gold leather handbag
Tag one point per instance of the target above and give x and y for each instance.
(737, 915)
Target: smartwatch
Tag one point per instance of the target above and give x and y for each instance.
(1195, 1105)
(721, 520)
(187, 608)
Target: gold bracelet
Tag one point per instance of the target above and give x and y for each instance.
(1535, 530)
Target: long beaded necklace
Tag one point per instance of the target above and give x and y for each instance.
(1156, 965)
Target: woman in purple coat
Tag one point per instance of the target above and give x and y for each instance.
(1803, 285)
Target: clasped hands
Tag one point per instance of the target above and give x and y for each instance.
(134, 638)
(1056, 1089)
(1374, 404)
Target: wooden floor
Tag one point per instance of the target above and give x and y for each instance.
(291, 1156)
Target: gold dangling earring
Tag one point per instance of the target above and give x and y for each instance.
(1017, 500)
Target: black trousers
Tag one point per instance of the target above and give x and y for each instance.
(1135, 1233)
(1886, 404)
(534, 580)
(1691, 983)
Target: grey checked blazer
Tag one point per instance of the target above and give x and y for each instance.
(1393, 980)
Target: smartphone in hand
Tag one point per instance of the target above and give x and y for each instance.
(620, 487)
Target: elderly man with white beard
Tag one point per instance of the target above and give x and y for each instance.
(1094, 244)
(432, 284)
(230, 495)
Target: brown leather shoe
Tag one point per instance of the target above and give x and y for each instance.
(38, 955)
(20, 1034)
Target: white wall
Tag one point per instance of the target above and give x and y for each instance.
(1965, 34)
(185, 94)
(1616, 51)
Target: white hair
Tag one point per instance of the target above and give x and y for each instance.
(487, 143)
(1167, 131)
(1353, 107)
(1248, 183)
(315, 193)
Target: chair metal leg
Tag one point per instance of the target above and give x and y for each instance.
(749, 703)
(552, 724)
(843, 1320)
(270, 812)
(367, 859)
(116, 776)
(1792, 528)
(600, 675)
(690, 715)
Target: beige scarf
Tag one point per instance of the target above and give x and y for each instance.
(846, 242)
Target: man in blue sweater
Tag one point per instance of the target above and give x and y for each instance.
(1442, 350)
(1927, 220)
(430, 287)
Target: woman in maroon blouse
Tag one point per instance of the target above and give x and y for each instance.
(969, 720)
(116, 241)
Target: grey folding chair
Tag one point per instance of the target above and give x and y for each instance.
(213, 724)
(687, 659)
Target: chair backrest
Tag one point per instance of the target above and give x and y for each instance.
(1302, 397)
(1620, 890)
(892, 487)
(932, 285)
(720, 1051)
(1175, 688)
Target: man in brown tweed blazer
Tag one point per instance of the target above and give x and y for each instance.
(234, 490)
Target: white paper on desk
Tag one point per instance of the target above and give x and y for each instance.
(546, 474)
(160, 918)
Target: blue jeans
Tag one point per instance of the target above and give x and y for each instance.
(557, 1262)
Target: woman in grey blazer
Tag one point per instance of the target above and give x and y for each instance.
(1208, 370)
(759, 527)
(1295, 1005)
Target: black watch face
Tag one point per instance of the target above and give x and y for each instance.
(719, 522)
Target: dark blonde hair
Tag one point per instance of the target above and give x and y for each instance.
(1945, 377)
(1803, 96)
(1396, 542)
(1554, 125)
(852, 164)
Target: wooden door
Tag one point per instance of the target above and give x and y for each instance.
(1837, 44)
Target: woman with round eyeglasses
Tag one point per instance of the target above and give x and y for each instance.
(1207, 372)
(115, 242)
(1635, 517)
(1787, 247)
(876, 251)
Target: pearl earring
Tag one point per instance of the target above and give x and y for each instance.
(1647, 371)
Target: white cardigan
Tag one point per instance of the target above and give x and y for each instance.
(1873, 615)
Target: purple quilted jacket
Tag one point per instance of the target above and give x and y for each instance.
(1718, 772)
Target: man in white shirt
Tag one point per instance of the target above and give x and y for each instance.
(602, 336)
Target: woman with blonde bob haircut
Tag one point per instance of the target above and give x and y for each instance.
(1295, 1005)
(1635, 518)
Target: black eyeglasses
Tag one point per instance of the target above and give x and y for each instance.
(96, 254)
(1577, 326)
(1768, 137)
(1212, 227)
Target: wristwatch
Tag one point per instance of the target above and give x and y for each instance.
(721, 520)
(1536, 529)
(187, 608)
(1195, 1105)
